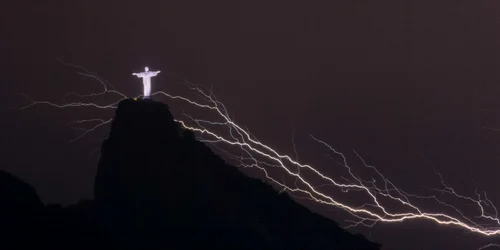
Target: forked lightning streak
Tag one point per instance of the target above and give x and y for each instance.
(380, 193)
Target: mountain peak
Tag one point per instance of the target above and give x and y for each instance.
(144, 118)
(158, 187)
(147, 163)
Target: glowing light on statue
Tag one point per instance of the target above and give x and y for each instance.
(146, 80)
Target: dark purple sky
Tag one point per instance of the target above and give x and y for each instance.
(394, 80)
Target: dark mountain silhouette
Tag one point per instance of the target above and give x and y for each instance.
(157, 187)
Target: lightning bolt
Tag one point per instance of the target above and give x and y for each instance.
(488, 246)
(384, 202)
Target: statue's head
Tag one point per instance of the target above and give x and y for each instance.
(147, 69)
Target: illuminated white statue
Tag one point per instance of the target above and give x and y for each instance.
(146, 80)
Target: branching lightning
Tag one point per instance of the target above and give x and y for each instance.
(383, 200)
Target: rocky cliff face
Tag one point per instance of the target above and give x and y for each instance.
(173, 184)
(157, 187)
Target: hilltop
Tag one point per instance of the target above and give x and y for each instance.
(158, 187)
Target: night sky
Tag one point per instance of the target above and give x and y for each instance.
(398, 81)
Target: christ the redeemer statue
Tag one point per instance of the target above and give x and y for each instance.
(146, 80)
